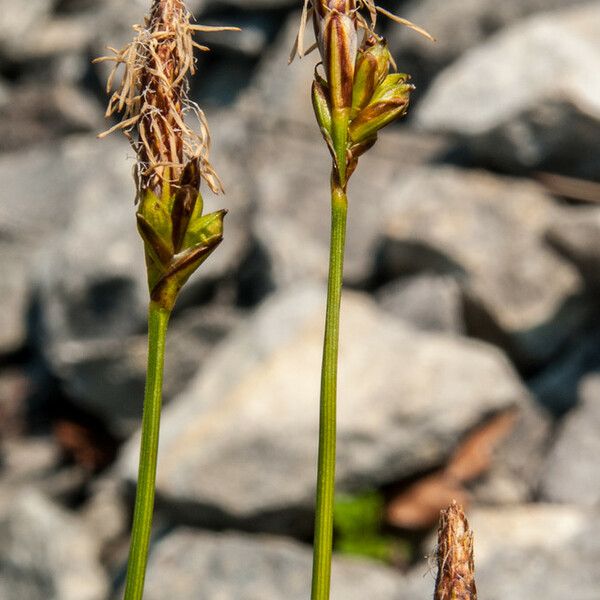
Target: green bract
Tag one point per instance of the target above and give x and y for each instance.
(388, 103)
(178, 238)
(372, 65)
(352, 109)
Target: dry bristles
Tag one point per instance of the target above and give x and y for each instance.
(365, 13)
(152, 97)
(456, 571)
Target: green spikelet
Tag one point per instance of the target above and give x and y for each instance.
(177, 237)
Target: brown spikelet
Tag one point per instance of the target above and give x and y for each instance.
(363, 12)
(456, 571)
(152, 97)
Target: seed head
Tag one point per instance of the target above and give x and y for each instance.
(152, 98)
(456, 572)
(172, 157)
(357, 96)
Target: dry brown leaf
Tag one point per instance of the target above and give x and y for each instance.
(475, 454)
(418, 506)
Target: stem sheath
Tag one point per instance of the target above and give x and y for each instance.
(158, 319)
(321, 577)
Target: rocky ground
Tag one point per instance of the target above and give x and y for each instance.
(471, 324)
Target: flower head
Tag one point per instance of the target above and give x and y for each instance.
(172, 157)
(152, 97)
(357, 96)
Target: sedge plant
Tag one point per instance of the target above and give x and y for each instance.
(172, 159)
(355, 93)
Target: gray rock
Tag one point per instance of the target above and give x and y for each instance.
(18, 22)
(107, 375)
(530, 551)
(91, 280)
(556, 386)
(104, 376)
(52, 38)
(14, 289)
(230, 148)
(43, 180)
(537, 551)
(38, 463)
(576, 235)
(241, 442)
(4, 93)
(430, 302)
(458, 26)
(280, 92)
(26, 462)
(38, 31)
(517, 461)
(107, 514)
(38, 112)
(541, 109)
(572, 473)
(488, 232)
(15, 391)
(521, 552)
(251, 41)
(47, 554)
(192, 338)
(202, 566)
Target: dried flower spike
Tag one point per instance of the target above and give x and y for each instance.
(172, 157)
(172, 160)
(152, 97)
(456, 571)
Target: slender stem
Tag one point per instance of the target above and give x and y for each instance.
(158, 319)
(327, 427)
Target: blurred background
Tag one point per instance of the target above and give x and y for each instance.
(470, 339)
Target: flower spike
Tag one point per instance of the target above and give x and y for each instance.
(353, 99)
(172, 156)
(358, 95)
(172, 160)
(152, 97)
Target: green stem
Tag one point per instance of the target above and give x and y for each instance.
(158, 319)
(327, 426)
